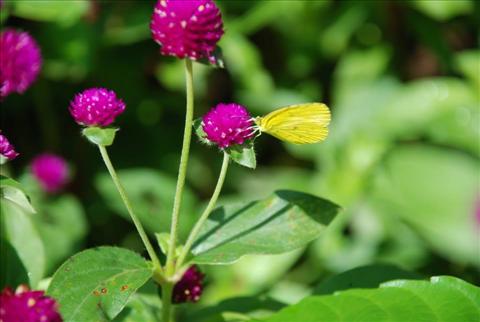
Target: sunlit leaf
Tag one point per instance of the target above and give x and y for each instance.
(440, 299)
(370, 276)
(283, 222)
(95, 285)
(18, 229)
(63, 12)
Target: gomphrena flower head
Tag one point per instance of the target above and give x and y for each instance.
(6, 149)
(187, 28)
(96, 107)
(20, 61)
(25, 305)
(227, 125)
(190, 287)
(51, 172)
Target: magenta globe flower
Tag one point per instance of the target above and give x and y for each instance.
(187, 28)
(190, 287)
(227, 125)
(96, 107)
(20, 61)
(6, 149)
(27, 306)
(51, 172)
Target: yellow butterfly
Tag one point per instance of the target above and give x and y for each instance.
(298, 124)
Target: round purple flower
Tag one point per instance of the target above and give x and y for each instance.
(187, 28)
(190, 287)
(27, 306)
(227, 125)
(6, 149)
(51, 172)
(96, 107)
(20, 61)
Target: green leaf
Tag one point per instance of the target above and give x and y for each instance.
(440, 299)
(62, 225)
(95, 285)
(197, 126)
(145, 305)
(19, 230)
(443, 10)
(163, 240)
(100, 136)
(370, 276)
(468, 62)
(63, 12)
(12, 270)
(151, 192)
(256, 307)
(434, 190)
(243, 155)
(285, 221)
(12, 191)
(141, 307)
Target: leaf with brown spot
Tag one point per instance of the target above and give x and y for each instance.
(86, 292)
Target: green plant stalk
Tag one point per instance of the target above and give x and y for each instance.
(182, 171)
(151, 252)
(211, 204)
(167, 302)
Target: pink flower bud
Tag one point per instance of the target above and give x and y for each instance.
(227, 125)
(20, 61)
(96, 107)
(187, 28)
(190, 287)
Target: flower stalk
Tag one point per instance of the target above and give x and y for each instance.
(182, 171)
(143, 235)
(211, 204)
(167, 302)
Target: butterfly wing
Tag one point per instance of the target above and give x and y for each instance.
(299, 124)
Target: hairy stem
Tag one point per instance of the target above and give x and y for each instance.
(182, 171)
(128, 205)
(167, 302)
(211, 204)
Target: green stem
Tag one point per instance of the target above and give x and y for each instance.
(211, 204)
(167, 302)
(126, 201)
(182, 171)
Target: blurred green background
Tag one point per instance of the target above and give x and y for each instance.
(402, 79)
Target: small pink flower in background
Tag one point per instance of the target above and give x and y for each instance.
(24, 305)
(190, 287)
(227, 125)
(20, 61)
(189, 28)
(96, 107)
(6, 148)
(51, 172)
